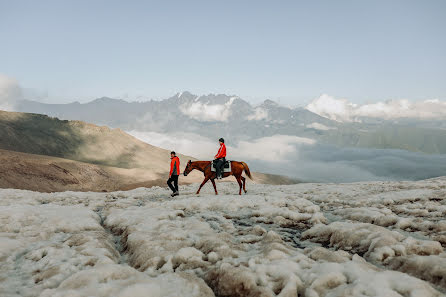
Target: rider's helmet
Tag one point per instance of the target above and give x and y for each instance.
(221, 140)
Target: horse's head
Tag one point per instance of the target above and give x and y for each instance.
(188, 168)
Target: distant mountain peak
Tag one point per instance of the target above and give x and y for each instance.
(107, 100)
(183, 93)
(269, 102)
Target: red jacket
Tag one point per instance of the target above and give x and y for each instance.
(221, 152)
(174, 166)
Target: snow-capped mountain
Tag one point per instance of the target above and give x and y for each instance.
(230, 116)
(209, 115)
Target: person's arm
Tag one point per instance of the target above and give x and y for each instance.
(218, 153)
(171, 168)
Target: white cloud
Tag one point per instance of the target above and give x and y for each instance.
(10, 92)
(260, 114)
(205, 112)
(319, 126)
(329, 107)
(344, 111)
(275, 148)
(185, 143)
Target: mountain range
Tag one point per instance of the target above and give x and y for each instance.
(215, 116)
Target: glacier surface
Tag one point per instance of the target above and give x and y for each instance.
(359, 239)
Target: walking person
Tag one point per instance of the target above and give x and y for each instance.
(220, 159)
(173, 174)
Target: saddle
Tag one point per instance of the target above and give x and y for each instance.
(227, 167)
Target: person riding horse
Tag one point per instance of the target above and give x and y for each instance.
(220, 159)
(237, 169)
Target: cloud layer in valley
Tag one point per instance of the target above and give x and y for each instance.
(307, 160)
(343, 110)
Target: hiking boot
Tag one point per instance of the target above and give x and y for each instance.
(175, 194)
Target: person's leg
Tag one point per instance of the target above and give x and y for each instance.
(169, 183)
(219, 168)
(175, 180)
(222, 167)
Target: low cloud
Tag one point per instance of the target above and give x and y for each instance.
(328, 163)
(185, 143)
(205, 112)
(272, 149)
(275, 148)
(10, 93)
(258, 115)
(307, 160)
(343, 110)
(319, 126)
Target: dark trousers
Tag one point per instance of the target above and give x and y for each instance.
(220, 166)
(174, 179)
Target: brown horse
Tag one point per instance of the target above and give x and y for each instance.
(237, 169)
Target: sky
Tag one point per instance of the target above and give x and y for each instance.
(289, 51)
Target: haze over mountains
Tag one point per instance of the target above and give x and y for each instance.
(387, 140)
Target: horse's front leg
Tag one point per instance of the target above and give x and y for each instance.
(215, 187)
(202, 184)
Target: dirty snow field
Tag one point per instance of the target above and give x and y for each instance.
(362, 239)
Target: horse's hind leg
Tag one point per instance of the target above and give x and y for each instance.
(215, 187)
(202, 184)
(240, 184)
(244, 183)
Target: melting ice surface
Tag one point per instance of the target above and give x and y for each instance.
(362, 239)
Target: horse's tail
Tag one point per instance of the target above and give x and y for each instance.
(248, 173)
